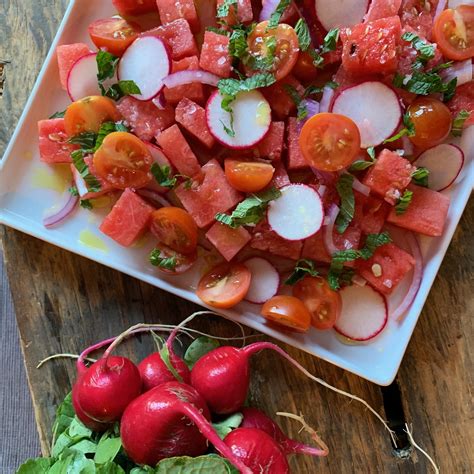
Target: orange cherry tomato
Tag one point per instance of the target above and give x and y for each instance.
(88, 114)
(115, 34)
(304, 68)
(224, 285)
(124, 161)
(432, 120)
(172, 262)
(453, 31)
(287, 311)
(323, 303)
(261, 44)
(248, 176)
(175, 228)
(330, 142)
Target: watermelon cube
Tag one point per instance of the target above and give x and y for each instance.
(426, 213)
(171, 10)
(193, 118)
(281, 103)
(386, 268)
(390, 175)
(371, 47)
(215, 55)
(264, 238)
(296, 159)
(178, 151)
(209, 194)
(244, 12)
(67, 55)
(370, 213)
(417, 16)
(229, 242)
(463, 100)
(193, 91)
(128, 219)
(382, 9)
(134, 7)
(280, 176)
(144, 118)
(178, 36)
(53, 145)
(271, 146)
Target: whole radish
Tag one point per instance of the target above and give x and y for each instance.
(257, 450)
(254, 418)
(170, 420)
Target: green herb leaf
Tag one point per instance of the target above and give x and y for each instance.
(73, 191)
(165, 356)
(238, 43)
(425, 83)
(360, 165)
(458, 122)
(277, 14)
(106, 65)
(35, 466)
(371, 152)
(91, 181)
(107, 448)
(403, 203)
(162, 175)
(251, 210)
(199, 347)
(301, 109)
(109, 468)
(330, 41)
(157, 260)
(303, 268)
(86, 140)
(442, 66)
(86, 204)
(408, 130)
(420, 176)
(347, 209)
(121, 89)
(302, 31)
(231, 87)
(224, 9)
(426, 51)
(224, 427)
(185, 465)
(218, 31)
(58, 115)
(64, 415)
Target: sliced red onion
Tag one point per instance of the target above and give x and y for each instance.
(439, 8)
(326, 99)
(416, 280)
(325, 177)
(188, 77)
(159, 101)
(329, 228)
(461, 70)
(362, 188)
(154, 196)
(60, 215)
(268, 7)
(322, 190)
(407, 146)
(312, 108)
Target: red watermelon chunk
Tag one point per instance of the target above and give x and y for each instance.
(265, 239)
(244, 12)
(281, 103)
(417, 16)
(296, 159)
(215, 55)
(386, 268)
(193, 91)
(53, 146)
(193, 118)
(228, 241)
(463, 100)
(128, 219)
(426, 213)
(134, 7)
(271, 146)
(379, 9)
(171, 10)
(144, 118)
(209, 195)
(390, 175)
(178, 36)
(370, 213)
(178, 151)
(67, 55)
(280, 176)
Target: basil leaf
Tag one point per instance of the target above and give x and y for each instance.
(330, 41)
(168, 263)
(86, 140)
(403, 203)
(106, 65)
(224, 427)
(58, 115)
(199, 347)
(425, 83)
(303, 268)
(420, 176)
(277, 14)
(162, 175)
(458, 122)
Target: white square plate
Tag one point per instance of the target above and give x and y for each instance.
(23, 203)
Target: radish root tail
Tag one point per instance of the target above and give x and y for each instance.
(311, 431)
(62, 356)
(422, 451)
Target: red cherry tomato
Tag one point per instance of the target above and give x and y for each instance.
(304, 69)
(248, 176)
(287, 311)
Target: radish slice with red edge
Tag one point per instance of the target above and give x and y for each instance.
(375, 109)
(252, 118)
(145, 62)
(444, 162)
(329, 228)
(340, 13)
(182, 78)
(82, 78)
(326, 99)
(297, 214)
(363, 313)
(265, 280)
(268, 8)
(360, 187)
(62, 213)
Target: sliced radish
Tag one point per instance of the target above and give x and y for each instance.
(146, 62)
(82, 78)
(364, 313)
(182, 78)
(326, 99)
(444, 162)
(252, 118)
(340, 13)
(297, 214)
(265, 280)
(374, 107)
(457, 3)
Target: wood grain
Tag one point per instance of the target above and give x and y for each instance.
(65, 302)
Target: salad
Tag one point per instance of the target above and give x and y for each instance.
(305, 143)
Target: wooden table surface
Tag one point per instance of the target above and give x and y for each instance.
(64, 302)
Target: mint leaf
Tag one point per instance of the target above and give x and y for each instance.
(106, 65)
(420, 176)
(330, 41)
(277, 14)
(403, 203)
(162, 175)
(77, 157)
(347, 209)
(302, 31)
(303, 268)
(360, 165)
(224, 9)
(86, 204)
(218, 31)
(408, 130)
(426, 83)
(157, 260)
(458, 122)
(199, 347)
(231, 87)
(301, 109)
(238, 43)
(224, 427)
(58, 115)
(86, 140)
(425, 50)
(73, 191)
(121, 89)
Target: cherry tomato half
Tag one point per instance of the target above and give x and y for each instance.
(280, 42)
(174, 263)
(248, 176)
(287, 311)
(330, 142)
(124, 161)
(88, 114)
(323, 303)
(453, 31)
(224, 285)
(304, 69)
(175, 228)
(115, 34)
(432, 120)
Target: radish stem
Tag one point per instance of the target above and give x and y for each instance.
(417, 446)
